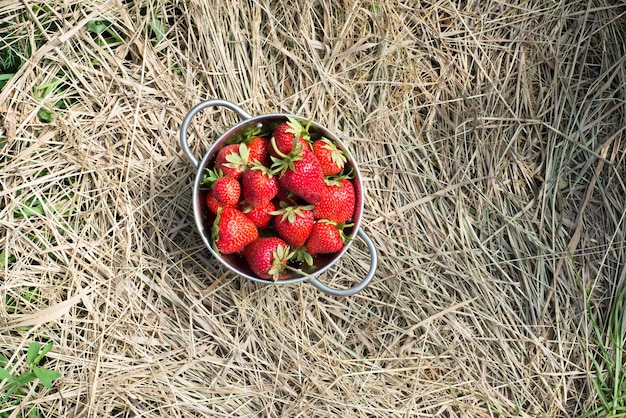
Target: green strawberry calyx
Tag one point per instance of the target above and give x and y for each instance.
(284, 162)
(280, 256)
(239, 160)
(298, 130)
(303, 256)
(337, 155)
(335, 180)
(251, 132)
(212, 176)
(215, 230)
(340, 228)
(260, 167)
(290, 213)
(342, 234)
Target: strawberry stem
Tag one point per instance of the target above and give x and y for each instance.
(299, 271)
(286, 161)
(278, 152)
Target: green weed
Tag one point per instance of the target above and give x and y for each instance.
(16, 386)
(30, 295)
(610, 361)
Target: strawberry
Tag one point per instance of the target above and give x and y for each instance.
(331, 158)
(326, 238)
(261, 216)
(259, 185)
(258, 145)
(225, 189)
(232, 160)
(300, 172)
(337, 202)
(214, 205)
(267, 257)
(232, 231)
(294, 224)
(259, 150)
(289, 134)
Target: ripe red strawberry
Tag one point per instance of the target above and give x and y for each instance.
(232, 231)
(331, 158)
(267, 257)
(226, 191)
(232, 160)
(214, 205)
(288, 134)
(294, 224)
(337, 202)
(326, 238)
(259, 185)
(259, 150)
(301, 173)
(261, 216)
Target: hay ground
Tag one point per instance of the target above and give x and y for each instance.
(491, 140)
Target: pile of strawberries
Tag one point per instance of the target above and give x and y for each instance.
(279, 199)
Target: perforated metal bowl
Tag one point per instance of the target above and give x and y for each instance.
(204, 219)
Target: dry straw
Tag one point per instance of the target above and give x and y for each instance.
(491, 139)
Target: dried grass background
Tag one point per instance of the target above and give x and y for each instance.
(491, 140)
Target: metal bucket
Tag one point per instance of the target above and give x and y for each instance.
(204, 218)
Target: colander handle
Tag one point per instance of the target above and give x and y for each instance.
(183, 127)
(363, 283)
